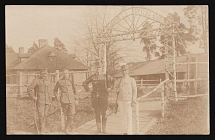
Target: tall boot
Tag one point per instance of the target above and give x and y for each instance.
(104, 121)
(98, 123)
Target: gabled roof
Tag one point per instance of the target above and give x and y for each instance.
(72, 55)
(158, 66)
(40, 59)
(25, 55)
(12, 59)
(52, 54)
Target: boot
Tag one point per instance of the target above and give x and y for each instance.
(71, 124)
(67, 125)
(42, 124)
(67, 129)
(104, 121)
(98, 123)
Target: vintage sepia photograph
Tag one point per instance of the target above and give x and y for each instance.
(107, 69)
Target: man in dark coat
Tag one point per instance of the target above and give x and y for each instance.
(100, 95)
(40, 91)
(67, 98)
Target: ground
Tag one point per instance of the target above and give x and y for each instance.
(20, 115)
(189, 116)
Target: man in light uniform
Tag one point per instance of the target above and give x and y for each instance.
(67, 99)
(43, 97)
(127, 97)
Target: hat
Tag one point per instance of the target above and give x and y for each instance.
(43, 71)
(124, 67)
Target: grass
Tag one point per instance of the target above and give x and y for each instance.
(188, 116)
(20, 115)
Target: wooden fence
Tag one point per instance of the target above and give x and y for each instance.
(164, 86)
(147, 82)
(16, 84)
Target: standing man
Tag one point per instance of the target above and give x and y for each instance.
(40, 91)
(99, 95)
(127, 97)
(67, 99)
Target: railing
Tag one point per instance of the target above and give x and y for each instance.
(144, 96)
(21, 81)
(162, 96)
(141, 82)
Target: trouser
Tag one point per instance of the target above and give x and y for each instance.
(126, 115)
(68, 111)
(100, 105)
(42, 112)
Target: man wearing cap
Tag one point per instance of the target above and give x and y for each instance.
(127, 97)
(40, 91)
(100, 95)
(67, 99)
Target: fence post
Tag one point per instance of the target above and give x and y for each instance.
(137, 118)
(162, 101)
(196, 76)
(188, 77)
(61, 110)
(141, 82)
(20, 83)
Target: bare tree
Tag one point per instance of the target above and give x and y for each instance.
(88, 50)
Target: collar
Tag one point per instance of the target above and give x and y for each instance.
(65, 78)
(99, 73)
(42, 79)
(127, 76)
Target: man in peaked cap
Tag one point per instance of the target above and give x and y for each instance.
(99, 95)
(127, 96)
(67, 99)
(40, 91)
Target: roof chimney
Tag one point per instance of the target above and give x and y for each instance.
(21, 49)
(42, 42)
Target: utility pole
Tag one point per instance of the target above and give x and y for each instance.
(105, 58)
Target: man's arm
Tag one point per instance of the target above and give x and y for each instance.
(73, 88)
(31, 88)
(111, 82)
(86, 82)
(134, 90)
(55, 90)
(73, 85)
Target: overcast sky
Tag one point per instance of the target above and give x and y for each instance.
(25, 24)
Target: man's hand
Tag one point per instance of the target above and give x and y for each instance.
(108, 90)
(133, 103)
(35, 98)
(53, 98)
(57, 98)
(90, 90)
(76, 102)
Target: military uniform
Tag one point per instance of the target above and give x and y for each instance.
(44, 98)
(67, 99)
(99, 97)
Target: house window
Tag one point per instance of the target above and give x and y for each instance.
(12, 78)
